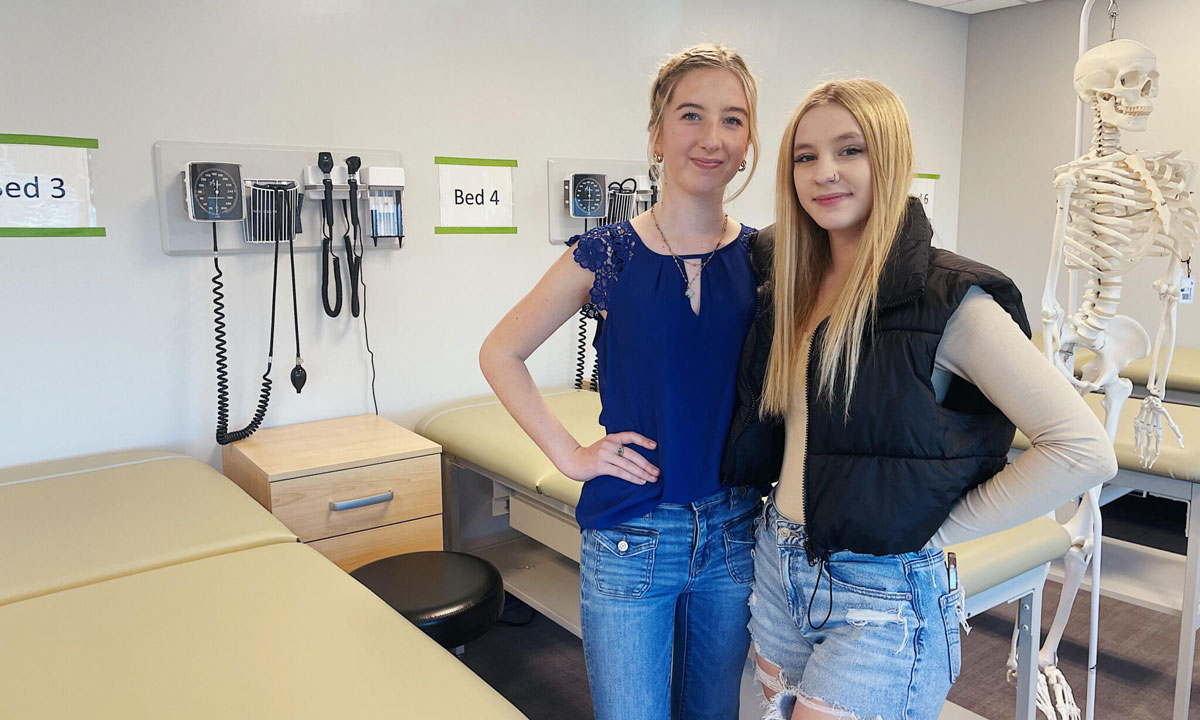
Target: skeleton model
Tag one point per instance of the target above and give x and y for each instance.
(1115, 208)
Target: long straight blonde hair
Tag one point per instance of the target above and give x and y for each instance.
(803, 256)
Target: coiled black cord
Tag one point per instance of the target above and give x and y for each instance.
(587, 312)
(596, 367)
(224, 437)
(581, 357)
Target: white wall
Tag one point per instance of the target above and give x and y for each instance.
(1019, 124)
(108, 342)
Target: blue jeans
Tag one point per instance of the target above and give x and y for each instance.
(889, 645)
(664, 613)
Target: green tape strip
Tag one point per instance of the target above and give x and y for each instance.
(481, 162)
(927, 176)
(53, 140)
(53, 232)
(443, 230)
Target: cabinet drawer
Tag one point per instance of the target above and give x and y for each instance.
(307, 504)
(357, 549)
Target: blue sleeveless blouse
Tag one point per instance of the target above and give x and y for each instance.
(665, 372)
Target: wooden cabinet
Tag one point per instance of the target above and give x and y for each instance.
(357, 488)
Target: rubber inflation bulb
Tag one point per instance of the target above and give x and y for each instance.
(299, 376)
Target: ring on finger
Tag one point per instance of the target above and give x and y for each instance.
(620, 451)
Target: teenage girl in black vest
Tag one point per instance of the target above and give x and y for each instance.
(898, 371)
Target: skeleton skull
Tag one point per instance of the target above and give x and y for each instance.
(1121, 78)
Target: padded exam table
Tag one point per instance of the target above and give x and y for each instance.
(275, 631)
(83, 520)
(1145, 576)
(487, 454)
(143, 585)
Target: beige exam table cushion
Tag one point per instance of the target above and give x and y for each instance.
(1174, 462)
(62, 526)
(271, 632)
(480, 431)
(81, 463)
(988, 561)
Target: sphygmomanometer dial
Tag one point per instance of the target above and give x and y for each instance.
(215, 192)
(588, 195)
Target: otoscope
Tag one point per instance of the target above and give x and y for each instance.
(325, 163)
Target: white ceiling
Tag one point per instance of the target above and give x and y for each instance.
(972, 6)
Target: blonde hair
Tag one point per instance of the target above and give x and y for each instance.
(803, 256)
(703, 57)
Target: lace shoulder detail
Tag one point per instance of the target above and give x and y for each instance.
(604, 251)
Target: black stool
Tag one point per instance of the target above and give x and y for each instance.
(453, 597)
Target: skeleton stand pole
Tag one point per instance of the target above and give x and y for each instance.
(1081, 130)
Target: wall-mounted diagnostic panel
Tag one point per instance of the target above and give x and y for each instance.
(589, 193)
(275, 192)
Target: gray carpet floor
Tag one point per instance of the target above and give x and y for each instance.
(1135, 667)
(539, 667)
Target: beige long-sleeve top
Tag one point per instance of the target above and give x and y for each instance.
(1070, 451)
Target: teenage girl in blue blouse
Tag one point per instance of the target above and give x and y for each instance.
(665, 566)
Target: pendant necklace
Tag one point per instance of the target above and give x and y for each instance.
(687, 287)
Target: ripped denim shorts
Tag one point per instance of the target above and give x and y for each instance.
(869, 636)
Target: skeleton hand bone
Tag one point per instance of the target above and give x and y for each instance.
(1148, 432)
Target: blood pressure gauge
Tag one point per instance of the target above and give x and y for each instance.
(588, 195)
(214, 192)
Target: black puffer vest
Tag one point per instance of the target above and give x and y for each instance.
(884, 480)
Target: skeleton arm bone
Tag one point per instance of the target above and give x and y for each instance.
(1052, 312)
(1148, 425)
(1178, 246)
(1168, 293)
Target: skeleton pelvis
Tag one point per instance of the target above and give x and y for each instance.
(1121, 342)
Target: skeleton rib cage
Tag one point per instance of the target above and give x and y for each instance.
(1123, 208)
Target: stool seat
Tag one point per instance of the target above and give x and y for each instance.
(453, 597)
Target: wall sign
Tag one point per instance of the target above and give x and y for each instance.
(46, 187)
(922, 187)
(476, 196)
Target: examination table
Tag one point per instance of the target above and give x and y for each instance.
(1146, 576)
(147, 585)
(488, 457)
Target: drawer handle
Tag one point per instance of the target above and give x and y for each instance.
(382, 497)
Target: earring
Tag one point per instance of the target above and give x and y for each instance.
(742, 167)
(658, 158)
